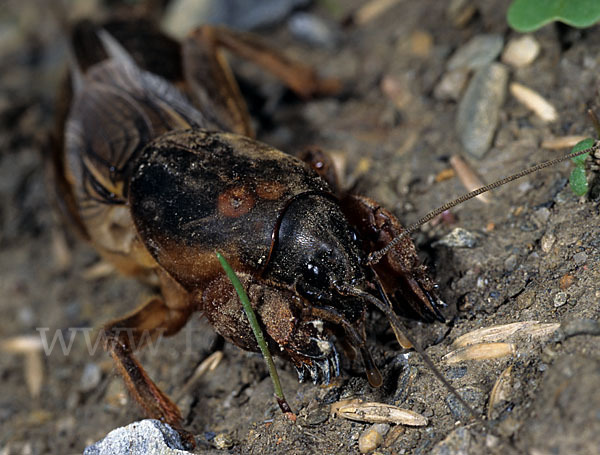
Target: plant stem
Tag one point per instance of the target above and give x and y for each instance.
(258, 334)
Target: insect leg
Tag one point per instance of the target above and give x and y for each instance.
(214, 86)
(123, 336)
(402, 275)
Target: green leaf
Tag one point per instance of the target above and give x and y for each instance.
(578, 181)
(581, 145)
(529, 15)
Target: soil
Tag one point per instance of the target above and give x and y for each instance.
(534, 241)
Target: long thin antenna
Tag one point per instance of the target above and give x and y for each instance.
(376, 256)
(397, 327)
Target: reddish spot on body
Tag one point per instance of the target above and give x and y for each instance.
(235, 202)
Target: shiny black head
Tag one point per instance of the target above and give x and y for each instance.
(318, 254)
(315, 251)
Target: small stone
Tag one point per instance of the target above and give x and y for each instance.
(478, 111)
(183, 15)
(372, 437)
(560, 299)
(521, 51)
(458, 238)
(143, 437)
(116, 394)
(542, 215)
(566, 281)
(451, 85)
(90, 378)
(510, 264)
(478, 52)
(421, 43)
(474, 396)
(458, 442)
(547, 242)
(223, 441)
(313, 30)
(580, 258)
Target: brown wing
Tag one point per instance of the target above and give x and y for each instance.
(116, 109)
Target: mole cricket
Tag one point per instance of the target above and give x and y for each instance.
(155, 163)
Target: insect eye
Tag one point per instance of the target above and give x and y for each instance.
(316, 275)
(354, 235)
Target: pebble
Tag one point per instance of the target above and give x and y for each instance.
(223, 441)
(580, 258)
(143, 437)
(183, 15)
(521, 51)
(510, 264)
(372, 437)
(478, 52)
(458, 238)
(421, 43)
(478, 110)
(566, 281)
(458, 442)
(474, 396)
(542, 215)
(313, 30)
(534, 101)
(451, 86)
(560, 299)
(547, 242)
(90, 378)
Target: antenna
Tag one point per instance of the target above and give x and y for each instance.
(376, 256)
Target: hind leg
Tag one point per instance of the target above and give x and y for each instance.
(214, 86)
(122, 337)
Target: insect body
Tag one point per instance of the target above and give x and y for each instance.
(158, 168)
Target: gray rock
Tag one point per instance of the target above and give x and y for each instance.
(146, 437)
(474, 396)
(510, 264)
(560, 299)
(478, 52)
(313, 30)
(456, 443)
(183, 15)
(90, 378)
(458, 238)
(451, 85)
(580, 258)
(479, 108)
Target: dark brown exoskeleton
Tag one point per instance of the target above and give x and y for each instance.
(156, 164)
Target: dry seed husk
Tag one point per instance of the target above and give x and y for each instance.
(562, 142)
(34, 373)
(534, 101)
(22, 344)
(500, 390)
(381, 413)
(481, 351)
(506, 331)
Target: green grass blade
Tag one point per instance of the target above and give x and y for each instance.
(258, 334)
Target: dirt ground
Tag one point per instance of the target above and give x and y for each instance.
(537, 244)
